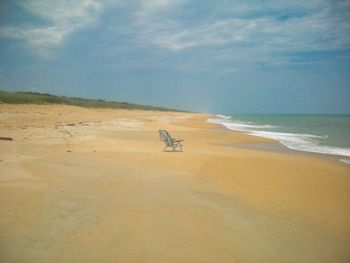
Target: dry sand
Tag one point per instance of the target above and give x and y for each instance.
(93, 185)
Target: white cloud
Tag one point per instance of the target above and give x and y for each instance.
(63, 19)
(37, 37)
(232, 34)
(319, 31)
(242, 33)
(147, 8)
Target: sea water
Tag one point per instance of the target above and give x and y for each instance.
(327, 134)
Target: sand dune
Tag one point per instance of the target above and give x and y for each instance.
(93, 185)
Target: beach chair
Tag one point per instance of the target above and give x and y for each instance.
(169, 141)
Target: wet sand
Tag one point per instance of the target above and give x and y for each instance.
(93, 185)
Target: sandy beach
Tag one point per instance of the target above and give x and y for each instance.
(93, 185)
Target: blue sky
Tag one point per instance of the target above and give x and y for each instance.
(216, 56)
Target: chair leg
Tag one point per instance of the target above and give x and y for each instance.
(179, 146)
(174, 147)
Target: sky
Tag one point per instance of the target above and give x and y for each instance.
(214, 56)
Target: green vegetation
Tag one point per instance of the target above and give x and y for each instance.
(39, 98)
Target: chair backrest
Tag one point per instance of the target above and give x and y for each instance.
(164, 136)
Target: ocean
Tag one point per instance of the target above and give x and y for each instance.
(327, 134)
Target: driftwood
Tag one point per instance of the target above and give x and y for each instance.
(6, 138)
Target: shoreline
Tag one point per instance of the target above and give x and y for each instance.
(278, 147)
(93, 185)
(281, 147)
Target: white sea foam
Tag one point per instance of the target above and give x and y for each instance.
(302, 142)
(240, 126)
(345, 161)
(295, 141)
(224, 117)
